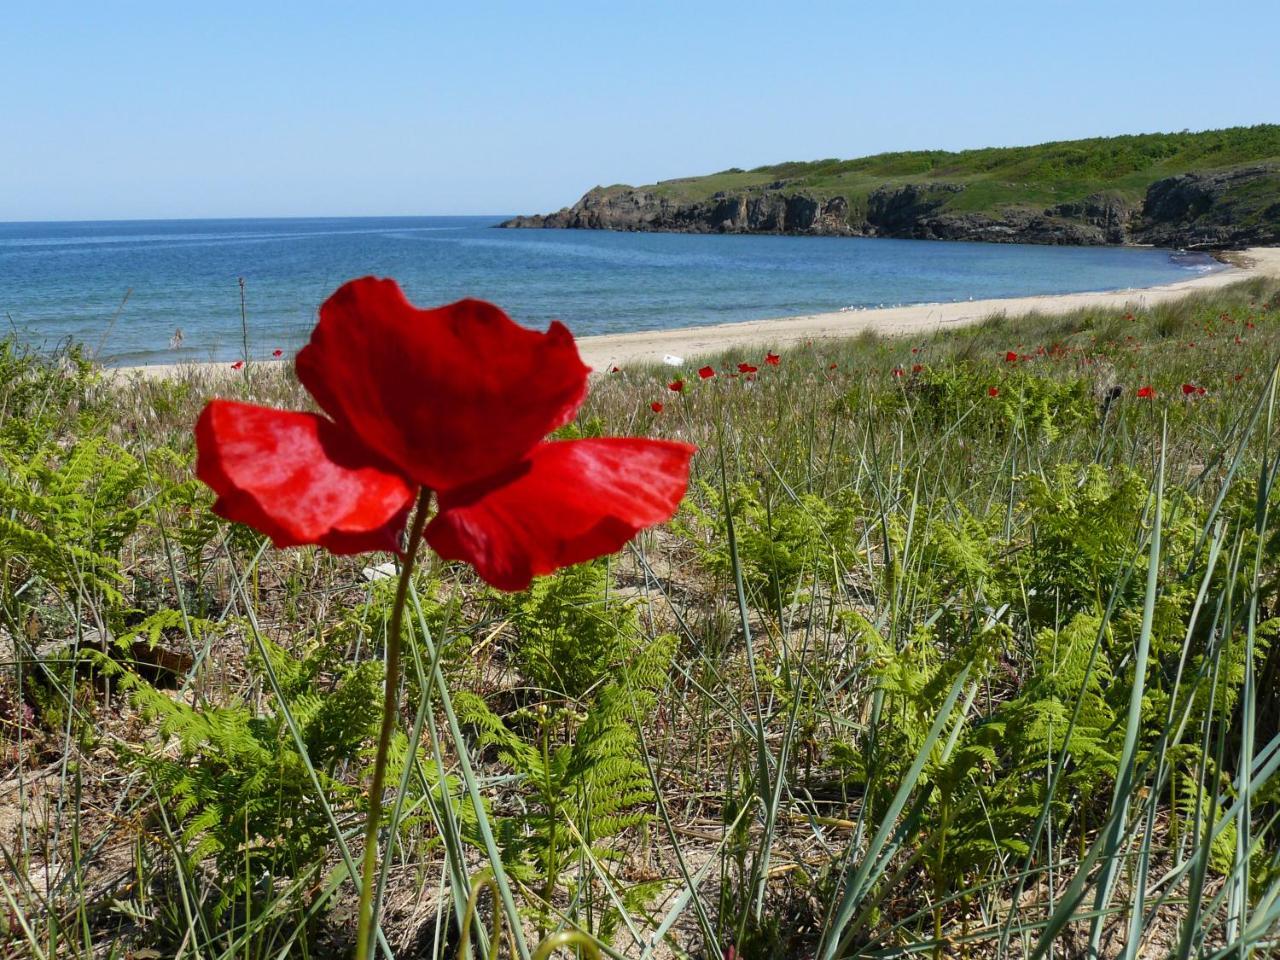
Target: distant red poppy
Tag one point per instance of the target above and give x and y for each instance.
(1146, 392)
(772, 359)
(675, 386)
(1128, 316)
(656, 407)
(1238, 377)
(897, 371)
(915, 349)
(277, 353)
(1010, 357)
(238, 365)
(993, 391)
(1201, 391)
(706, 373)
(917, 367)
(747, 368)
(1239, 341)
(455, 400)
(1250, 324)
(1188, 389)
(833, 366)
(615, 369)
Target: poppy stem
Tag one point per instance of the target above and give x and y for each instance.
(368, 914)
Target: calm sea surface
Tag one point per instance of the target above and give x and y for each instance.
(60, 280)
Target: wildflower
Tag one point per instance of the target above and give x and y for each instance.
(915, 350)
(993, 391)
(1010, 357)
(897, 371)
(455, 401)
(277, 353)
(1146, 392)
(917, 367)
(675, 386)
(656, 406)
(747, 368)
(1201, 391)
(833, 366)
(706, 373)
(1188, 389)
(772, 359)
(615, 369)
(238, 365)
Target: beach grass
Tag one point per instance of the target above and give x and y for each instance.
(963, 645)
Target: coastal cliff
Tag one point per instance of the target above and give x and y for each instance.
(1203, 203)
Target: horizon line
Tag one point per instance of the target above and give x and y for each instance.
(310, 216)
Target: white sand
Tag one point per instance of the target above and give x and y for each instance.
(620, 349)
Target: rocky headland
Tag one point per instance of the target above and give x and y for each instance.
(1204, 191)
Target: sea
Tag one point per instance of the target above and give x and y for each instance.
(163, 291)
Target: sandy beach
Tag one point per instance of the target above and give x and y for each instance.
(620, 349)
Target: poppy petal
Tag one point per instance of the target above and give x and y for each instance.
(299, 479)
(449, 395)
(570, 501)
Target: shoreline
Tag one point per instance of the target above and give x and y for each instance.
(604, 351)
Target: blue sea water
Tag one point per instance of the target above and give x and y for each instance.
(124, 288)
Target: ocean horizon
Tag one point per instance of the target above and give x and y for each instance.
(162, 291)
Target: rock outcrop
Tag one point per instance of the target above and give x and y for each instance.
(1230, 208)
(1212, 210)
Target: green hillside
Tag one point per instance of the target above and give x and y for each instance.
(994, 177)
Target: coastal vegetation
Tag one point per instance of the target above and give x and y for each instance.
(1216, 188)
(960, 646)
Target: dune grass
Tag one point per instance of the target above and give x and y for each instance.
(961, 646)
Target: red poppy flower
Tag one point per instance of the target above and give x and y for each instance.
(457, 400)
(993, 391)
(615, 369)
(706, 373)
(772, 359)
(916, 368)
(1188, 389)
(915, 349)
(747, 368)
(1201, 391)
(833, 366)
(1238, 377)
(675, 386)
(277, 353)
(897, 371)
(656, 406)
(1146, 392)
(238, 365)
(1010, 357)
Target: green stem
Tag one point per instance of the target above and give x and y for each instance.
(368, 922)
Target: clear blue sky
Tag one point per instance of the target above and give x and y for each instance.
(132, 109)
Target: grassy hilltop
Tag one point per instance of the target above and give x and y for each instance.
(961, 646)
(1212, 188)
(995, 177)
